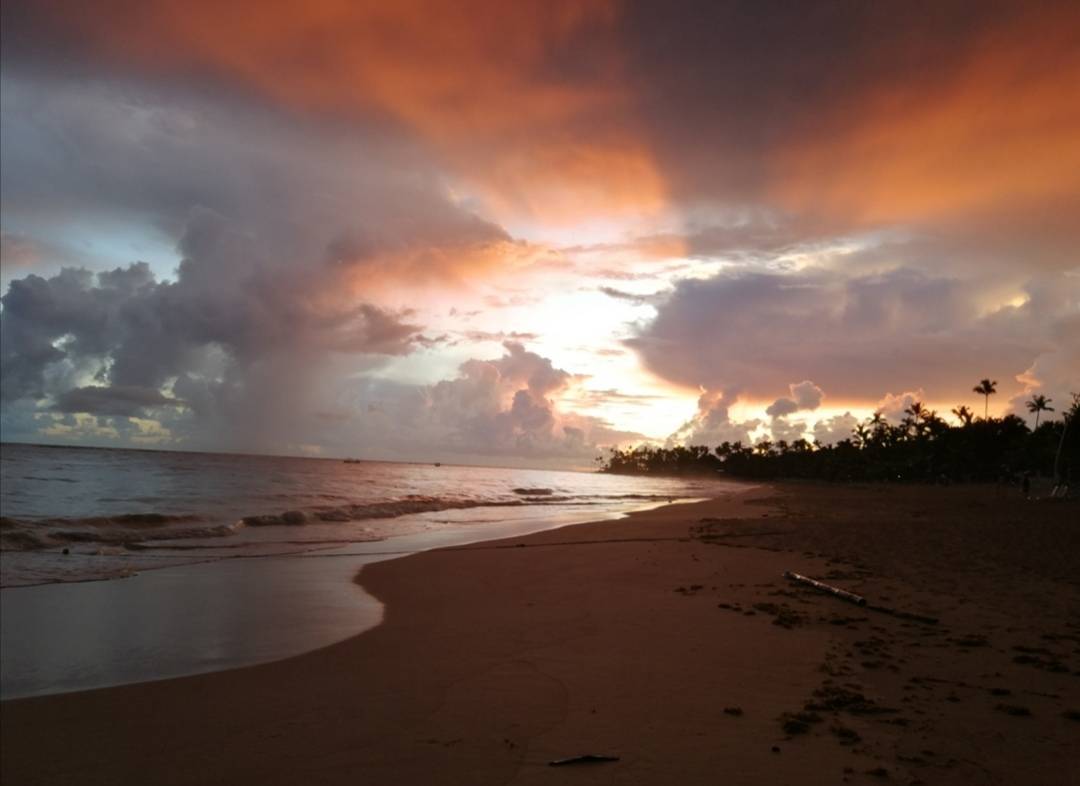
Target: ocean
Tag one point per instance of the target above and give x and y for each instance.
(126, 565)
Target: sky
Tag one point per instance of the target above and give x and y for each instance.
(521, 233)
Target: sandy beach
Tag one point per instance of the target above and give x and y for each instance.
(669, 639)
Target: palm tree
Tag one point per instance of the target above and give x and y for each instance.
(963, 414)
(986, 388)
(862, 435)
(920, 417)
(1037, 404)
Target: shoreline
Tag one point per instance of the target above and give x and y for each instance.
(313, 607)
(666, 638)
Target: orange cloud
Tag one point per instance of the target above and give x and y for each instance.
(435, 269)
(522, 99)
(998, 126)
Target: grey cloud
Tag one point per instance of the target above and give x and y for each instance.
(781, 407)
(126, 329)
(128, 151)
(858, 335)
(712, 423)
(124, 400)
(282, 225)
(804, 395)
(787, 430)
(637, 300)
(835, 429)
(503, 407)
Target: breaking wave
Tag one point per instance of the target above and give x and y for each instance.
(134, 530)
(387, 509)
(121, 530)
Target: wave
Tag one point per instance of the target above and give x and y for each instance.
(120, 530)
(118, 520)
(385, 509)
(140, 530)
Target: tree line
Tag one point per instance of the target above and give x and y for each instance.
(921, 447)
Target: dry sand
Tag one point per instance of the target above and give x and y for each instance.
(668, 639)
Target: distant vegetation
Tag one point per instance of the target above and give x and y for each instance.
(922, 447)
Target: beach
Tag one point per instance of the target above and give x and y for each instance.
(669, 639)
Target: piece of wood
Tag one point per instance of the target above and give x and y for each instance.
(858, 600)
(821, 586)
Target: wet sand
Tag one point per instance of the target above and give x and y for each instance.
(668, 639)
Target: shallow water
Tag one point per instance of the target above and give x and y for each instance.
(261, 593)
(118, 512)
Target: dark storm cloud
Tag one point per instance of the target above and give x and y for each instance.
(283, 229)
(724, 82)
(123, 150)
(137, 333)
(734, 93)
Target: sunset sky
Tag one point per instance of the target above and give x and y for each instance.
(519, 232)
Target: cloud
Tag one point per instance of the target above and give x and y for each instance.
(18, 251)
(506, 407)
(290, 236)
(712, 423)
(781, 407)
(124, 400)
(856, 334)
(892, 407)
(232, 333)
(804, 395)
(521, 99)
(500, 336)
(114, 154)
(787, 430)
(1055, 372)
(835, 429)
(630, 297)
(862, 114)
(849, 114)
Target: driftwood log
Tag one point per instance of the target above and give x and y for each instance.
(821, 586)
(858, 600)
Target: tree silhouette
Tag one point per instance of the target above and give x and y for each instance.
(862, 435)
(1037, 404)
(986, 388)
(963, 414)
(923, 447)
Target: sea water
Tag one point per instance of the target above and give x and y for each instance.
(123, 566)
